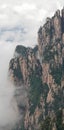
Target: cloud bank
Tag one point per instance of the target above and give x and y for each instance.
(29, 14)
(8, 107)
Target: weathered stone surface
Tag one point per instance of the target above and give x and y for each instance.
(41, 71)
(57, 27)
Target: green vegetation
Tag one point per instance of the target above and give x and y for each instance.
(37, 88)
(57, 74)
(21, 50)
(59, 123)
(19, 127)
(48, 31)
(47, 124)
(56, 70)
(40, 118)
(48, 54)
(35, 91)
(58, 40)
(45, 91)
(35, 49)
(17, 71)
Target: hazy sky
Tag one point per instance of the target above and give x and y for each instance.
(30, 14)
(16, 11)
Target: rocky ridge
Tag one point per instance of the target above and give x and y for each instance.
(40, 70)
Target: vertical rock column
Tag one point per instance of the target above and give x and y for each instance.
(57, 25)
(62, 21)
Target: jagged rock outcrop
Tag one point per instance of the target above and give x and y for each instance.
(22, 65)
(41, 71)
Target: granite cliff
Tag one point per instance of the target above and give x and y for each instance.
(40, 70)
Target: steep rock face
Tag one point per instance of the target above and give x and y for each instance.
(51, 32)
(41, 71)
(57, 25)
(22, 65)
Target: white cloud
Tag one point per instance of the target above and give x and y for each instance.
(3, 16)
(24, 8)
(8, 107)
(4, 6)
(29, 14)
(9, 114)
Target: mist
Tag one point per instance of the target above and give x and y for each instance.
(9, 113)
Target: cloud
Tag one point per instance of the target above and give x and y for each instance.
(29, 14)
(24, 8)
(8, 107)
(9, 112)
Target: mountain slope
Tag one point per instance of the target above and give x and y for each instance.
(40, 71)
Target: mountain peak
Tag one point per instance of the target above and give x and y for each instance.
(41, 72)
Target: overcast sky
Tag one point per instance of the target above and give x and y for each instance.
(14, 11)
(30, 14)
